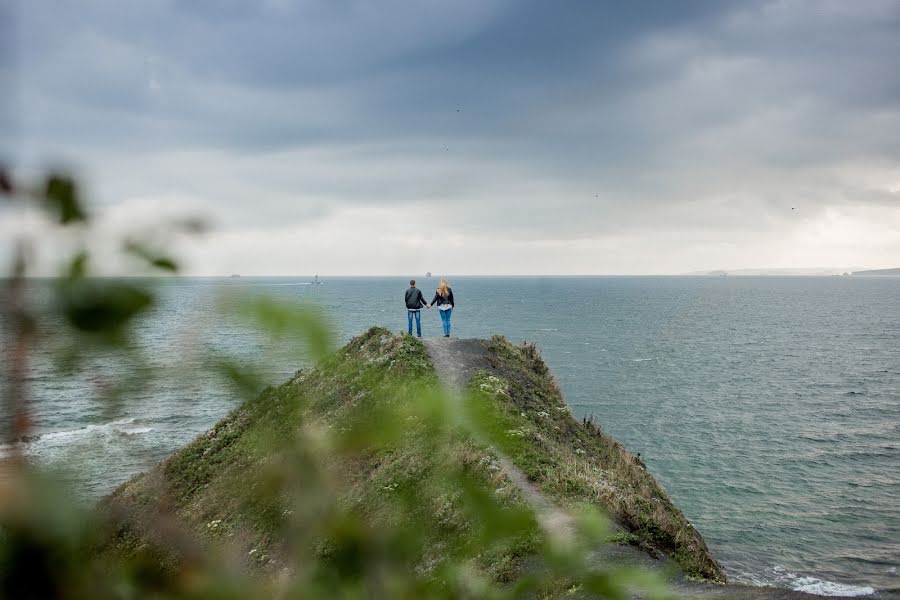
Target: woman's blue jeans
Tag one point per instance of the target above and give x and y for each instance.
(445, 320)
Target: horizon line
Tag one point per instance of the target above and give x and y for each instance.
(710, 273)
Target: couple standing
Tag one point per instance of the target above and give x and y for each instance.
(443, 297)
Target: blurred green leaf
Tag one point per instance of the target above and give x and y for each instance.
(243, 379)
(649, 582)
(78, 266)
(605, 586)
(41, 537)
(101, 307)
(62, 199)
(499, 522)
(592, 525)
(6, 182)
(282, 319)
(165, 264)
(154, 259)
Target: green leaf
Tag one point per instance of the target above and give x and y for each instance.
(281, 319)
(6, 184)
(165, 264)
(78, 267)
(154, 259)
(592, 526)
(62, 199)
(102, 307)
(244, 380)
(604, 586)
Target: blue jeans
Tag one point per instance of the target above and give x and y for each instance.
(445, 320)
(418, 316)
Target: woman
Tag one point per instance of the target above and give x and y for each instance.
(444, 299)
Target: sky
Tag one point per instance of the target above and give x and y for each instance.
(348, 137)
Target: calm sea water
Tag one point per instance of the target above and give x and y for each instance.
(769, 408)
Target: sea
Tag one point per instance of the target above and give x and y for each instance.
(768, 407)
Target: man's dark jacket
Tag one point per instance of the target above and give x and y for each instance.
(414, 299)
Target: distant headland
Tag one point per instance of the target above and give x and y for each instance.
(791, 272)
(895, 272)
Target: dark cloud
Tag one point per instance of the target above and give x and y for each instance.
(9, 121)
(518, 118)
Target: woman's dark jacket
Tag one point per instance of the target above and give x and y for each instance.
(448, 299)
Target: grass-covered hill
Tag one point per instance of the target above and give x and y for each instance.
(364, 470)
(574, 461)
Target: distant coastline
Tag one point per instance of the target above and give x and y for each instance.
(880, 272)
(776, 272)
(793, 272)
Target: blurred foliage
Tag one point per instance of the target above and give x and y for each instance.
(62, 200)
(155, 259)
(289, 459)
(101, 307)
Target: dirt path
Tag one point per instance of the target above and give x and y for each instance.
(455, 361)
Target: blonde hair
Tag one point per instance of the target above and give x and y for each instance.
(443, 289)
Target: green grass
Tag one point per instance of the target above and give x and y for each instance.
(388, 467)
(351, 467)
(574, 462)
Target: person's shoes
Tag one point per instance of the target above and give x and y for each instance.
(447, 335)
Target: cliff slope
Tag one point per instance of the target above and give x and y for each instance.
(349, 468)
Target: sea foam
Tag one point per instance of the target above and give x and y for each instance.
(58, 440)
(812, 585)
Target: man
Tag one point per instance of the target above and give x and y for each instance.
(414, 302)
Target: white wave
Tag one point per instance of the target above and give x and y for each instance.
(58, 440)
(779, 577)
(812, 585)
(548, 329)
(112, 426)
(136, 430)
(641, 359)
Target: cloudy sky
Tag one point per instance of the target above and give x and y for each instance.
(468, 137)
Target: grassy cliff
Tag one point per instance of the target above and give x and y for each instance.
(347, 468)
(572, 461)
